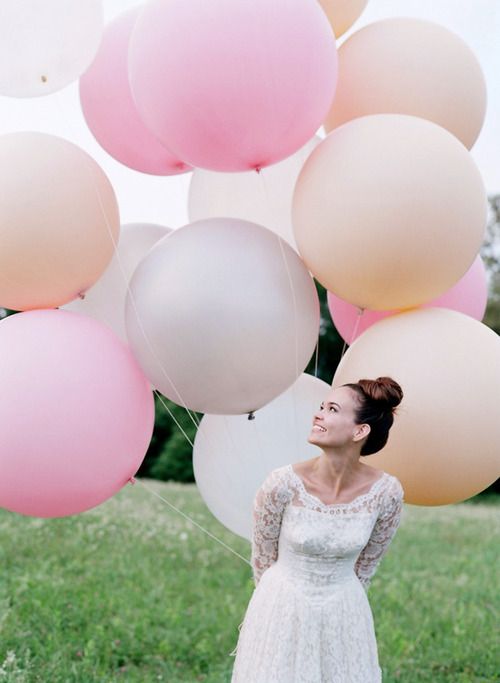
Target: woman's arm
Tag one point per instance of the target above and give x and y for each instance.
(268, 508)
(382, 534)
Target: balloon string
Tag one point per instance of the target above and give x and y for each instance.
(165, 405)
(316, 359)
(155, 493)
(134, 305)
(292, 290)
(358, 320)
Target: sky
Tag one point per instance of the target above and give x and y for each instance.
(163, 200)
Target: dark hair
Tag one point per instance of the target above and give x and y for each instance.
(377, 399)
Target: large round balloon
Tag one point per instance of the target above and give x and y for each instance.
(232, 455)
(389, 211)
(410, 66)
(342, 13)
(105, 301)
(264, 198)
(469, 296)
(46, 45)
(76, 413)
(443, 445)
(233, 86)
(222, 315)
(109, 108)
(59, 221)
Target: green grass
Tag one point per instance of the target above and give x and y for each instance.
(131, 591)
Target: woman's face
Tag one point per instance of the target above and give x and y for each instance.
(334, 423)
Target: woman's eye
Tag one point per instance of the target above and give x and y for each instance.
(332, 408)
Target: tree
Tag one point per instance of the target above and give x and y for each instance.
(490, 253)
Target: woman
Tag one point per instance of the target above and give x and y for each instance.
(320, 528)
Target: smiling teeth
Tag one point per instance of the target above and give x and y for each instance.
(321, 429)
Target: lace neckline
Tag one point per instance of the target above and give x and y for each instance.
(368, 493)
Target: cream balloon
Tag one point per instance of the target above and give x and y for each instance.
(410, 66)
(443, 446)
(232, 455)
(46, 45)
(342, 13)
(222, 315)
(264, 198)
(389, 211)
(105, 301)
(59, 221)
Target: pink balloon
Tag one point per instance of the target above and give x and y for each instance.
(110, 111)
(233, 86)
(76, 413)
(469, 296)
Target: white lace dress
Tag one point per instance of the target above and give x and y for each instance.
(309, 619)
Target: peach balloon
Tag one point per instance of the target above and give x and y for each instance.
(342, 13)
(389, 211)
(469, 296)
(59, 221)
(443, 445)
(410, 66)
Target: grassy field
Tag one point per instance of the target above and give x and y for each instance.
(131, 591)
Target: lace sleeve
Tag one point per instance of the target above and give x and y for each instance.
(382, 534)
(268, 507)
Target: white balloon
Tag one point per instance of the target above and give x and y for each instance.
(232, 455)
(264, 198)
(46, 45)
(222, 315)
(105, 301)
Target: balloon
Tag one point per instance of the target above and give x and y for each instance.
(222, 316)
(233, 86)
(443, 446)
(410, 66)
(105, 301)
(264, 198)
(342, 13)
(76, 413)
(469, 296)
(59, 221)
(389, 211)
(46, 45)
(232, 455)
(110, 111)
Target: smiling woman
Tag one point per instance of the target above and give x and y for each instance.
(320, 529)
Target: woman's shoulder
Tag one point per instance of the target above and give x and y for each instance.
(276, 487)
(392, 492)
(277, 476)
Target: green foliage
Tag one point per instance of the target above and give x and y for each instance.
(330, 343)
(169, 456)
(490, 253)
(175, 461)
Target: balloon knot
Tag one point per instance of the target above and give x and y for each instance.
(258, 169)
(251, 415)
(132, 480)
(81, 295)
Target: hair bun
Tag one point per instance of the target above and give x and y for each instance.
(383, 389)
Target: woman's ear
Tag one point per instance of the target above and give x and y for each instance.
(361, 431)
